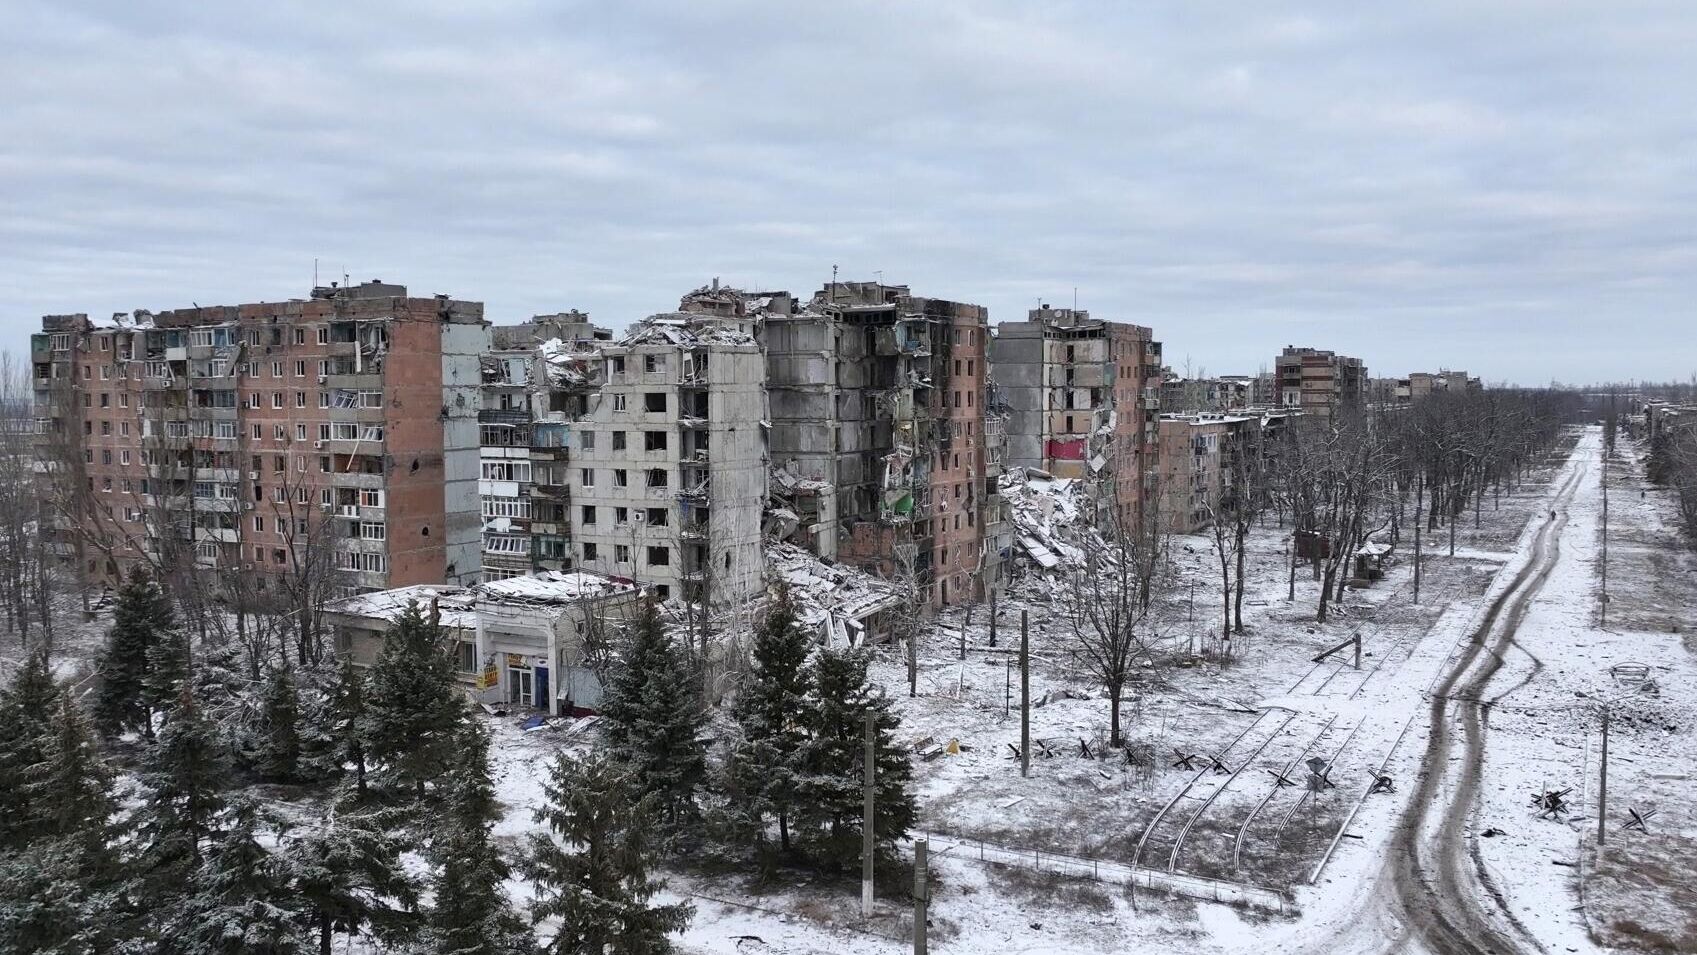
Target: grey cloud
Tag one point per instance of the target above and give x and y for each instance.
(1443, 184)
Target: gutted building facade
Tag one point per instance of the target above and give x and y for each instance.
(525, 529)
(664, 457)
(1082, 397)
(878, 421)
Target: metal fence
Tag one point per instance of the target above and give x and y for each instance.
(1102, 870)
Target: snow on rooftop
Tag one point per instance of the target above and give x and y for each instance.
(458, 605)
(452, 602)
(553, 587)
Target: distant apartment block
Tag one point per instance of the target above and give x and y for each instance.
(1205, 458)
(1318, 382)
(247, 439)
(1180, 395)
(1082, 395)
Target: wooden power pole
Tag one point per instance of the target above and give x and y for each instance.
(921, 894)
(866, 826)
(1024, 695)
(1603, 787)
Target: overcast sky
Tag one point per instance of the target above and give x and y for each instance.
(1509, 188)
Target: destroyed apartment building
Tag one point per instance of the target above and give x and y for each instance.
(525, 530)
(878, 435)
(861, 424)
(1082, 396)
(651, 448)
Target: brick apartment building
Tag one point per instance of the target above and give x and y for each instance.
(1202, 459)
(1082, 397)
(1319, 383)
(256, 440)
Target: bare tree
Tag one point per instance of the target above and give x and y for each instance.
(1106, 604)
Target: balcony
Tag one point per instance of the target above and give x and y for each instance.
(503, 416)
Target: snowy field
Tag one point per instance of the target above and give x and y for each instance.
(1268, 709)
(1125, 832)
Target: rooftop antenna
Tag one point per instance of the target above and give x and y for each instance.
(1075, 298)
(833, 283)
(315, 271)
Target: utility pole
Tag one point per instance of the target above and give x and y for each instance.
(1603, 787)
(1419, 522)
(1603, 605)
(913, 663)
(866, 827)
(992, 619)
(921, 894)
(1024, 696)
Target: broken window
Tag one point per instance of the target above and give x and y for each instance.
(657, 517)
(654, 401)
(657, 477)
(659, 556)
(618, 441)
(654, 440)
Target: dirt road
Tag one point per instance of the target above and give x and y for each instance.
(1448, 903)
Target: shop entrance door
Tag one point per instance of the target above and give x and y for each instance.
(523, 686)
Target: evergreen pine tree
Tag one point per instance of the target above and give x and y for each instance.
(185, 773)
(141, 615)
(414, 705)
(27, 707)
(769, 712)
(348, 879)
(238, 901)
(592, 872)
(654, 716)
(472, 914)
(830, 796)
(344, 723)
(62, 893)
(279, 744)
(168, 670)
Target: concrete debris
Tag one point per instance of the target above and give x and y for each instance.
(688, 330)
(845, 605)
(1048, 514)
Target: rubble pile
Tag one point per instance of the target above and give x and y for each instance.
(1049, 514)
(846, 605)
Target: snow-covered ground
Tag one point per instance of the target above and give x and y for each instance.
(1270, 708)
(1544, 734)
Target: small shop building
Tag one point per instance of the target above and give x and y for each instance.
(518, 641)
